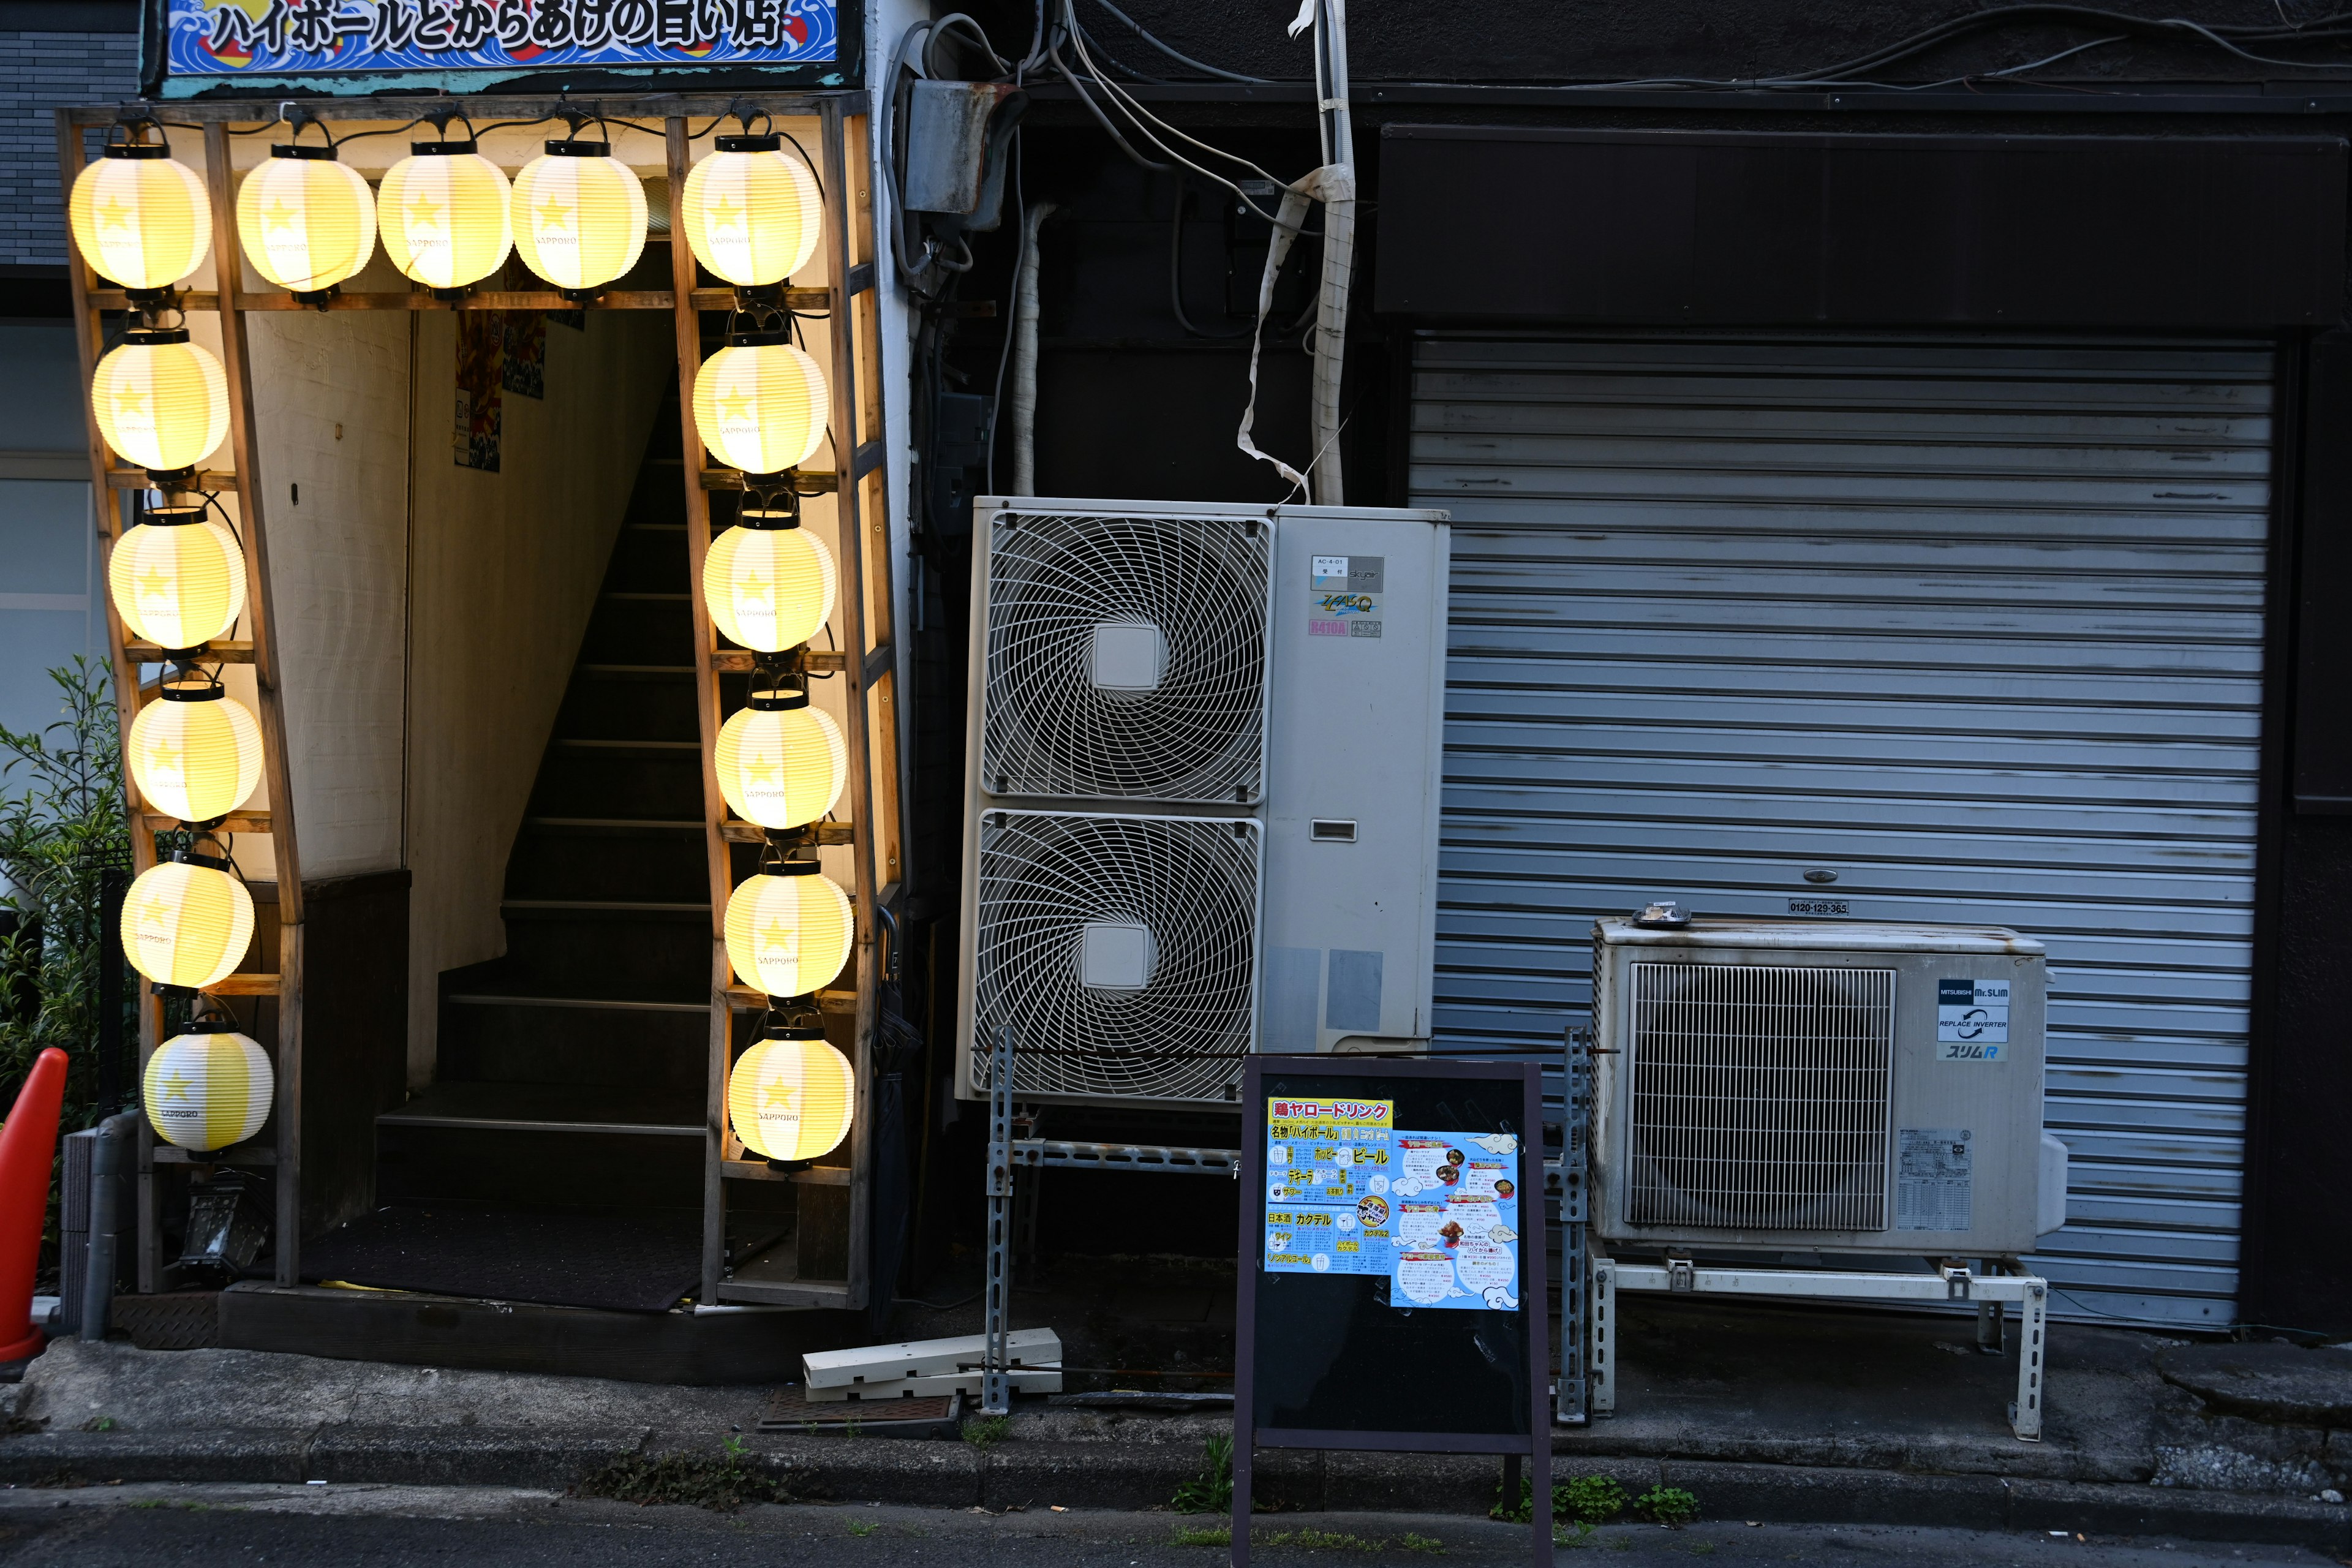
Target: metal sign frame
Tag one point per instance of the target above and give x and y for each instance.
(1534, 1304)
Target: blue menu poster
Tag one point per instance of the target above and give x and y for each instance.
(1437, 1213)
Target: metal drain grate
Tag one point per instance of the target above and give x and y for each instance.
(1760, 1097)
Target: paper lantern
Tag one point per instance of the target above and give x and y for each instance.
(769, 583)
(788, 930)
(209, 1087)
(187, 921)
(177, 577)
(307, 222)
(161, 401)
(781, 764)
(579, 215)
(195, 754)
(791, 1095)
(753, 215)
(759, 403)
(140, 218)
(443, 210)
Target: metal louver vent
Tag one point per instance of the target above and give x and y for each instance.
(1759, 1096)
(1120, 950)
(1125, 658)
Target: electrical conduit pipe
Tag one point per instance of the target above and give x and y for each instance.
(1024, 357)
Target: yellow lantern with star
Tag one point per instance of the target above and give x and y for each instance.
(791, 1095)
(788, 928)
(579, 215)
(443, 210)
(760, 404)
(140, 218)
(195, 754)
(781, 764)
(160, 401)
(177, 577)
(769, 582)
(187, 922)
(307, 222)
(209, 1087)
(753, 215)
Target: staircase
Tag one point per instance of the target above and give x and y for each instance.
(571, 1072)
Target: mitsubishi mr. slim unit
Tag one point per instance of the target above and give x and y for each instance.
(1822, 1085)
(1202, 791)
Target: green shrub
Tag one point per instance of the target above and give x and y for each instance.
(1668, 1505)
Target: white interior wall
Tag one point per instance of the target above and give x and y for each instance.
(505, 574)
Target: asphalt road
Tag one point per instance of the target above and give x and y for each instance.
(368, 1526)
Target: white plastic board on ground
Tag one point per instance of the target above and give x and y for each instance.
(923, 1358)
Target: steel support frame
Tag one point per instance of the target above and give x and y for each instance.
(1951, 1284)
(1569, 1184)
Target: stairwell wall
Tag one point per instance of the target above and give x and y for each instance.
(504, 571)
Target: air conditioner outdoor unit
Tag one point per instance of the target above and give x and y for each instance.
(1797, 1085)
(1202, 785)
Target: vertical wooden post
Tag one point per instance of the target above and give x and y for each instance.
(237, 360)
(866, 863)
(706, 714)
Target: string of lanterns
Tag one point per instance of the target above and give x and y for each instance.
(449, 218)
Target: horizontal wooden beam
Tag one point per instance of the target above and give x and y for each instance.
(225, 651)
(243, 983)
(235, 822)
(140, 479)
(735, 832)
(796, 299)
(807, 1176)
(878, 663)
(817, 480)
(235, 1154)
(743, 999)
(814, 660)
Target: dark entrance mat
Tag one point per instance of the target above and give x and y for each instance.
(625, 1263)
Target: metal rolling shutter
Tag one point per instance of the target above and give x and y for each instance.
(1975, 623)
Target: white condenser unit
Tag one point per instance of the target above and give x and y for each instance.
(1823, 1087)
(1202, 785)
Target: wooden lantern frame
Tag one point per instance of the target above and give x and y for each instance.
(867, 663)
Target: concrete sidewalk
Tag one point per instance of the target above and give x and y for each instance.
(1778, 1414)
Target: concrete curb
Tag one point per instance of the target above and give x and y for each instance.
(1107, 1475)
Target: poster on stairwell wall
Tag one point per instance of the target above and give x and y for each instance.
(260, 39)
(1435, 1213)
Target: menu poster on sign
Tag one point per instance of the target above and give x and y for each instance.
(1437, 1213)
(1327, 1167)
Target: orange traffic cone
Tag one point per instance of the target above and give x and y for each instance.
(28, 1143)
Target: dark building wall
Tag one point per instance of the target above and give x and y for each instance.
(1622, 40)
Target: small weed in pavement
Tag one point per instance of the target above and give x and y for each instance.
(982, 1431)
(100, 1423)
(1213, 1491)
(1204, 1537)
(723, 1482)
(1702, 1547)
(1577, 1533)
(1670, 1506)
(862, 1528)
(1412, 1543)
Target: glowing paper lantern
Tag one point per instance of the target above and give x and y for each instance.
(161, 401)
(759, 403)
(209, 1088)
(753, 215)
(140, 218)
(579, 215)
(195, 754)
(187, 921)
(788, 930)
(781, 764)
(307, 222)
(791, 1095)
(769, 583)
(443, 210)
(177, 577)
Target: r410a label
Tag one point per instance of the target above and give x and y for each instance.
(1971, 1020)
